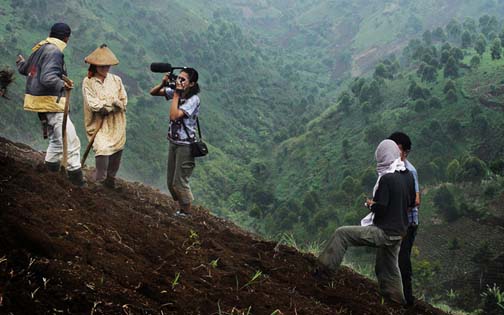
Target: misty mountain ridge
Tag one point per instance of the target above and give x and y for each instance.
(291, 127)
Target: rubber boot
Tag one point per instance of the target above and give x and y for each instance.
(109, 182)
(52, 166)
(76, 178)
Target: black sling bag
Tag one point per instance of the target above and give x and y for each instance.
(198, 147)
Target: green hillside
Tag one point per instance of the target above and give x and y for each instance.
(295, 97)
(450, 100)
(241, 83)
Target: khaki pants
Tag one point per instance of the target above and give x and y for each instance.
(54, 152)
(180, 167)
(386, 264)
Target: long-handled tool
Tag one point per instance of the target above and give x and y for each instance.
(91, 141)
(65, 118)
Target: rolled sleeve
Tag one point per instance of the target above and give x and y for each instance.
(415, 177)
(22, 67)
(413, 171)
(169, 93)
(123, 96)
(190, 106)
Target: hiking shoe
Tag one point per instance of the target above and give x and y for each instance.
(181, 213)
(410, 302)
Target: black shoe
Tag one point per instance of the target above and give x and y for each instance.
(52, 166)
(410, 302)
(321, 273)
(76, 178)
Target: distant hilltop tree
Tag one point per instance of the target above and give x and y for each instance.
(451, 69)
(480, 45)
(472, 169)
(475, 62)
(450, 85)
(488, 24)
(445, 202)
(466, 39)
(496, 49)
(439, 34)
(454, 29)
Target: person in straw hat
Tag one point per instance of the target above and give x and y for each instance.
(105, 102)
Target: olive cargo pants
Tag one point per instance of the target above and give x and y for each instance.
(180, 167)
(386, 264)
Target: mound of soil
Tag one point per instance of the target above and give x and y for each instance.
(67, 250)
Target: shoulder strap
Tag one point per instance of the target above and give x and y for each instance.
(199, 129)
(185, 127)
(187, 131)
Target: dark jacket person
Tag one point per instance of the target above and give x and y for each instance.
(394, 193)
(45, 89)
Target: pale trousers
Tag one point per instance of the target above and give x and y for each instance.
(386, 264)
(54, 152)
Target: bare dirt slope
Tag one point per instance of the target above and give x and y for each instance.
(66, 250)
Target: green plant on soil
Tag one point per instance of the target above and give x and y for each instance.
(254, 279)
(175, 281)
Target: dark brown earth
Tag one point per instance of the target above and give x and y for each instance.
(67, 250)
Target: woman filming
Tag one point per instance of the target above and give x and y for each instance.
(184, 111)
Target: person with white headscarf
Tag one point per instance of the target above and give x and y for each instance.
(393, 195)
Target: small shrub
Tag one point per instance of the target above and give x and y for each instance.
(445, 202)
(420, 105)
(493, 300)
(434, 102)
(451, 96)
(453, 244)
(497, 167)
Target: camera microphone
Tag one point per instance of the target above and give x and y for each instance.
(160, 67)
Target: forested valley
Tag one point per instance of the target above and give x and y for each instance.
(295, 97)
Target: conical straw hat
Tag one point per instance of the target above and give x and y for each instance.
(102, 56)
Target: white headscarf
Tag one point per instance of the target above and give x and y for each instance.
(388, 160)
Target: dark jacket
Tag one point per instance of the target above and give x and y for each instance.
(44, 70)
(393, 199)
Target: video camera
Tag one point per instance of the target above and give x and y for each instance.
(161, 67)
